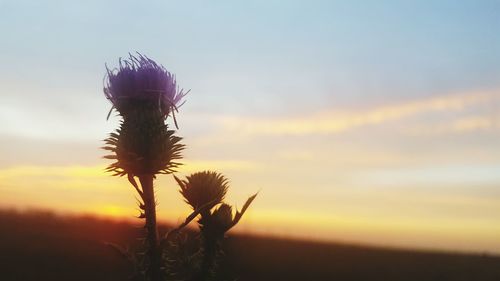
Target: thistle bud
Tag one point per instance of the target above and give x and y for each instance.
(223, 217)
(204, 188)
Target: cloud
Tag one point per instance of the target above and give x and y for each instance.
(334, 123)
(191, 166)
(462, 125)
(97, 171)
(51, 171)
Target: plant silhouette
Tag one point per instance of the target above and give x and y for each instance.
(145, 95)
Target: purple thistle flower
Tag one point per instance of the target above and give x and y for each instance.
(140, 80)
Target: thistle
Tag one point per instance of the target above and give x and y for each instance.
(145, 94)
(208, 189)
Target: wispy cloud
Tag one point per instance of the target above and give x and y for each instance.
(97, 171)
(219, 165)
(461, 125)
(50, 171)
(338, 122)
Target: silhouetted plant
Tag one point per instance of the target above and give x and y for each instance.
(209, 189)
(145, 94)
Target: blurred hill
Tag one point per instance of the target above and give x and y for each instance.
(41, 246)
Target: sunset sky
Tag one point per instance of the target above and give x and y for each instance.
(374, 122)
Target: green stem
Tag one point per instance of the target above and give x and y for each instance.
(153, 252)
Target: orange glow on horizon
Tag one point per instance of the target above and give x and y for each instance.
(106, 196)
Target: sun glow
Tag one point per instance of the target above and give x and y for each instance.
(352, 217)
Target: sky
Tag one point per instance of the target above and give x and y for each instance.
(373, 122)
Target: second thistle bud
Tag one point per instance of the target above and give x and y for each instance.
(202, 188)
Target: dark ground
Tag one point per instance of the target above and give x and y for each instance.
(39, 246)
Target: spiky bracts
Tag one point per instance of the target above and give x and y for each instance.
(202, 188)
(143, 145)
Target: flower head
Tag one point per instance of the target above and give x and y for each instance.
(141, 81)
(203, 188)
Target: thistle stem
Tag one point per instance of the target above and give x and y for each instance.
(209, 261)
(209, 250)
(153, 252)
